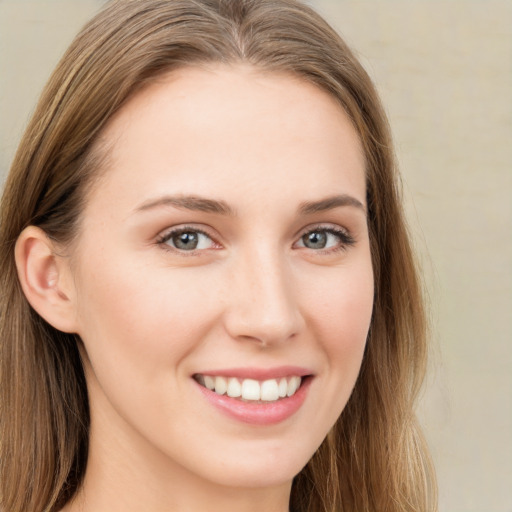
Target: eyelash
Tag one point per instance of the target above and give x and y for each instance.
(165, 237)
(346, 240)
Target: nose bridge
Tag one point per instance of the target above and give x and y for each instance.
(263, 304)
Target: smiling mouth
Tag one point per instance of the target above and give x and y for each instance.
(251, 390)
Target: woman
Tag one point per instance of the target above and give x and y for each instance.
(209, 300)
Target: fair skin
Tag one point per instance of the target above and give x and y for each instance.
(266, 276)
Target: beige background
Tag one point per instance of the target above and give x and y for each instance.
(444, 70)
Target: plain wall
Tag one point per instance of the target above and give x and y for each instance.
(444, 70)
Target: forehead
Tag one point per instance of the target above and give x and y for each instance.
(196, 130)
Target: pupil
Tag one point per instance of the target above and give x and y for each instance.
(315, 240)
(187, 241)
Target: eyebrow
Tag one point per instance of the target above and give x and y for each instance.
(202, 204)
(193, 203)
(329, 203)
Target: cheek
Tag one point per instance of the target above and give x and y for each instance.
(340, 312)
(341, 305)
(141, 314)
(139, 325)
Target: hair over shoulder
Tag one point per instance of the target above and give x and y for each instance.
(374, 458)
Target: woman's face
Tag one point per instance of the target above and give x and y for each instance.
(225, 245)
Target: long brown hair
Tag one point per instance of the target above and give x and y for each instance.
(374, 458)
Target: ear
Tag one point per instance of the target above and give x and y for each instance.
(46, 279)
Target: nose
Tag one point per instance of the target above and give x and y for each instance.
(262, 301)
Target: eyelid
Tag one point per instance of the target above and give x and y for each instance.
(168, 233)
(346, 237)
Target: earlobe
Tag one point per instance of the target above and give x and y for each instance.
(45, 279)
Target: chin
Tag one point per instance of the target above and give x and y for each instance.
(269, 466)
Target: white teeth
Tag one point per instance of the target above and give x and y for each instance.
(269, 390)
(293, 385)
(221, 385)
(209, 382)
(234, 388)
(249, 389)
(283, 387)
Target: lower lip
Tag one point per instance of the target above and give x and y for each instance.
(258, 413)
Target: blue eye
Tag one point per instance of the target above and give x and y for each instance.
(186, 239)
(325, 238)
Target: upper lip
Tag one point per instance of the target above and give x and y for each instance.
(255, 373)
